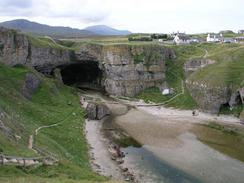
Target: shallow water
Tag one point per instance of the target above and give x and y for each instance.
(191, 162)
(174, 153)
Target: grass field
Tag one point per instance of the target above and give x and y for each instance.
(51, 104)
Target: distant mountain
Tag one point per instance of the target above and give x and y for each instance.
(59, 31)
(106, 30)
(42, 29)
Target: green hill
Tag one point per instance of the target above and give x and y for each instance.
(50, 103)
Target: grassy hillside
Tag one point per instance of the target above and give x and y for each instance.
(228, 69)
(49, 105)
(174, 77)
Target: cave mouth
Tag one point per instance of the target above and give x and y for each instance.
(85, 75)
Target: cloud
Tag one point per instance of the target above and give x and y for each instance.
(16, 3)
(135, 15)
(87, 11)
(15, 7)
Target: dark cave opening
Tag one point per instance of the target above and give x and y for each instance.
(233, 107)
(85, 75)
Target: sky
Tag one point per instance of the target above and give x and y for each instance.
(152, 16)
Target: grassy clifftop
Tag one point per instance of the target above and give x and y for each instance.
(228, 69)
(50, 104)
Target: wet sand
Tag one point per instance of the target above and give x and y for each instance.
(100, 157)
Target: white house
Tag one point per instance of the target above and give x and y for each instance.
(182, 38)
(215, 38)
(240, 31)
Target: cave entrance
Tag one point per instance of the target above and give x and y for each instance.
(234, 106)
(85, 75)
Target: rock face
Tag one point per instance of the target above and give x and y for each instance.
(31, 85)
(17, 49)
(195, 64)
(209, 98)
(96, 111)
(14, 47)
(4, 129)
(127, 69)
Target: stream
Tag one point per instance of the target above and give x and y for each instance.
(176, 151)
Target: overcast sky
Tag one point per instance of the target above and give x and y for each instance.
(191, 16)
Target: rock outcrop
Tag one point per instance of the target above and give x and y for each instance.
(127, 70)
(96, 111)
(18, 49)
(195, 64)
(31, 85)
(209, 98)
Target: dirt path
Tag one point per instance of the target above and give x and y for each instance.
(206, 53)
(33, 136)
(143, 104)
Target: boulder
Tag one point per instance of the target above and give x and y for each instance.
(91, 111)
(96, 111)
(102, 111)
(31, 85)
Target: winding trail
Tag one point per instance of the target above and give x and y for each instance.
(33, 136)
(154, 104)
(206, 53)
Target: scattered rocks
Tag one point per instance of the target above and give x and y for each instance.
(117, 155)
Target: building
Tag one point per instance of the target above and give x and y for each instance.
(229, 40)
(215, 38)
(240, 31)
(182, 38)
(239, 39)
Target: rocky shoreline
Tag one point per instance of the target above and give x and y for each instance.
(106, 156)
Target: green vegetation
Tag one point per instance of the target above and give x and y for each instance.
(139, 38)
(45, 42)
(224, 128)
(228, 69)
(236, 110)
(174, 77)
(139, 58)
(159, 36)
(51, 104)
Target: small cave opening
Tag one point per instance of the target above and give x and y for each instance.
(84, 75)
(234, 106)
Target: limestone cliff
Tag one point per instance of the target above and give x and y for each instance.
(129, 69)
(17, 48)
(126, 69)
